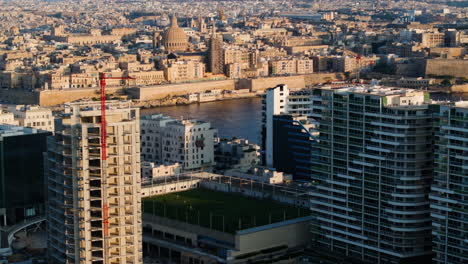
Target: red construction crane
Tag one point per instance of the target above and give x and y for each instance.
(105, 207)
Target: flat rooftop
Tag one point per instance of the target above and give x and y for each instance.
(168, 119)
(225, 212)
(378, 90)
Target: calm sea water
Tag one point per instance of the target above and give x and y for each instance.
(233, 118)
(239, 118)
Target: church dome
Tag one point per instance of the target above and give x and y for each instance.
(14, 30)
(174, 38)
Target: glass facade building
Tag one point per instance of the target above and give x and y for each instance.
(22, 189)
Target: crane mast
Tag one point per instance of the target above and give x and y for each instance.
(105, 207)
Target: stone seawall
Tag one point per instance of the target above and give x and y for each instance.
(293, 82)
(161, 91)
(157, 92)
(261, 84)
(447, 67)
(460, 88)
(317, 78)
(56, 97)
(12, 96)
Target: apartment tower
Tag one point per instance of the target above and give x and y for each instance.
(371, 166)
(94, 207)
(449, 191)
(372, 175)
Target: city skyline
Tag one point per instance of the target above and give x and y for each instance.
(249, 131)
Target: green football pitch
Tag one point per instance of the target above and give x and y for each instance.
(226, 212)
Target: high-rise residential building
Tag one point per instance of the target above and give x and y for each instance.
(296, 135)
(94, 204)
(449, 196)
(22, 190)
(372, 174)
(280, 101)
(216, 60)
(370, 166)
(275, 103)
(188, 142)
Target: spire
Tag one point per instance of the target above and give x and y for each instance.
(174, 21)
(213, 30)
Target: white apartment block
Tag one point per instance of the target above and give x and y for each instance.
(151, 171)
(32, 116)
(83, 189)
(261, 174)
(7, 118)
(188, 142)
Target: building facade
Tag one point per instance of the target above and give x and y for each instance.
(33, 116)
(372, 174)
(22, 190)
(275, 103)
(184, 70)
(236, 154)
(94, 206)
(151, 171)
(291, 66)
(449, 196)
(216, 59)
(187, 142)
(370, 163)
(296, 135)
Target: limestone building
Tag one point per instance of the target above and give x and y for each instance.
(291, 66)
(183, 70)
(7, 118)
(430, 40)
(216, 60)
(33, 116)
(81, 184)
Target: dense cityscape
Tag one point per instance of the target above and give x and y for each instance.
(242, 131)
